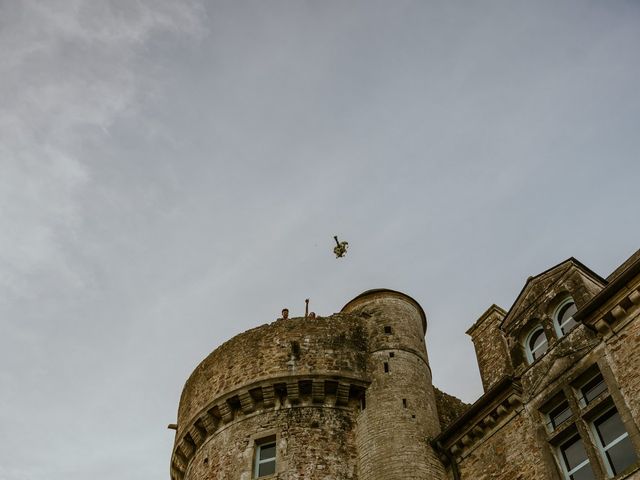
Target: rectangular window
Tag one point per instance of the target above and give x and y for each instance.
(591, 389)
(613, 442)
(559, 414)
(265, 459)
(574, 460)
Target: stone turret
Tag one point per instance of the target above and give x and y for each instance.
(346, 397)
(399, 412)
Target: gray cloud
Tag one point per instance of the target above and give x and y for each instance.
(173, 174)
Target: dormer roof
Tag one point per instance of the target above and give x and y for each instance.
(536, 286)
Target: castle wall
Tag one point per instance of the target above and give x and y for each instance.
(312, 444)
(623, 356)
(333, 345)
(510, 452)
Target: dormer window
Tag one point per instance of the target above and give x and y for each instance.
(536, 344)
(563, 317)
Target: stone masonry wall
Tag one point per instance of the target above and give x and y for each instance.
(400, 415)
(449, 407)
(333, 345)
(312, 444)
(623, 355)
(491, 347)
(510, 453)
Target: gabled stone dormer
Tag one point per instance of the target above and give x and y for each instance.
(542, 314)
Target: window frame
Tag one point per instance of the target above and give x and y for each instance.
(563, 461)
(529, 352)
(602, 449)
(583, 425)
(259, 445)
(552, 423)
(556, 317)
(580, 387)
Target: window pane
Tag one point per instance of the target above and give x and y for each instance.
(584, 473)
(564, 317)
(566, 311)
(559, 414)
(568, 325)
(593, 388)
(267, 468)
(621, 455)
(609, 427)
(538, 344)
(537, 339)
(573, 453)
(268, 451)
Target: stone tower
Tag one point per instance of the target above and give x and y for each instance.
(346, 397)
(400, 410)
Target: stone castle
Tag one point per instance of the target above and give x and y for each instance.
(350, 397)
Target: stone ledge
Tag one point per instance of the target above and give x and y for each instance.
(483, 417)
(273, 394)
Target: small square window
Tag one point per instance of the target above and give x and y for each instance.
(265, 463)
(387, 329)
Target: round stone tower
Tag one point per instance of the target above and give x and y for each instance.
(399, 413)
(346, 397)
(279, 401)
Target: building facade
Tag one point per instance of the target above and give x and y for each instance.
(350, 397)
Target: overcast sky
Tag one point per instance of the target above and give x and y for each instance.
(172, 173)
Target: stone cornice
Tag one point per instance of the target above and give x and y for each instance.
(483, 417)
(268, 394)
(614, 302)
(492, 311)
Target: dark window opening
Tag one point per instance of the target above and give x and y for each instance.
(392, 354)
(404, 402)
(614, 442)
(592, 389)
(575, 460)
(564, 317)
(560, 414)
(386, 367)
(387, 329)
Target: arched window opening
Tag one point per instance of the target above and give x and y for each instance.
(536, 344)
(563, 317)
